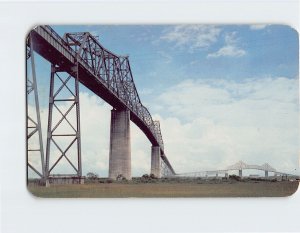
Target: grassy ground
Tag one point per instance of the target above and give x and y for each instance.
(235, 189)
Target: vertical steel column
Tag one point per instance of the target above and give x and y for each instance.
(49, 131)
(52, 136)
(78, 135)
(31, 86)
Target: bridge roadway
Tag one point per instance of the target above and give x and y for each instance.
(52, 47)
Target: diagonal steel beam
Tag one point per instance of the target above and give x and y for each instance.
(75, 126)
(31, 86)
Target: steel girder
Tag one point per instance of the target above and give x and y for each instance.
(54, 136)
(33, 119)
(115, 71)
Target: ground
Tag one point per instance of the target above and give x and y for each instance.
(130, 189)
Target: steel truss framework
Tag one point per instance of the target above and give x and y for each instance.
(237, 166)
(165, 169)
(241, 165)
(84, 50)
(54, 137)
(115, 71)
(33, 119)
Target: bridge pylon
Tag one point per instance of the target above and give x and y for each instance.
(155, 161)
(241, 173)
(63, 133)
(266, 173)
(120, 148)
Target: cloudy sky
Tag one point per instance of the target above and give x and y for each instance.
(222, 94)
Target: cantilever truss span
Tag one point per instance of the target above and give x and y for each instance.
(106, 74)
(241, 165)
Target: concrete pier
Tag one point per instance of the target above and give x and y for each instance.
(155, 161)
(266, 174)
(119, 150)
(241, 173)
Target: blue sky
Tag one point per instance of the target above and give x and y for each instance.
(161, 58)
(154, 53)
(219, 91)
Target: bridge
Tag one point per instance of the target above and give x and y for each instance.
(239, 166)
(80, 57)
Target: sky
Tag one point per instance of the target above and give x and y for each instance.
(222, 93)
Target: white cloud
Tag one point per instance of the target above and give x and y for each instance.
(230, 38)
(227, 51)
(146, 91)
(258, 26)
(206, 125)
(230, 49)
(192, 36)
(95, 126)
(216, 123)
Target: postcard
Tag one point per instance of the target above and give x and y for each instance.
(191, 110)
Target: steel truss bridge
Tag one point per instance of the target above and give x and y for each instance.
(84, 60)
(239, 166)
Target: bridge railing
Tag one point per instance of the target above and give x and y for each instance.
(56, 41)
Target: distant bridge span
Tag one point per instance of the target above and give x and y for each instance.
(109, 76)
(239, 166)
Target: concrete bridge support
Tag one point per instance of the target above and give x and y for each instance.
(266, 174)
(155, 161)
(226, 175)
(241, 173)
(120, 150)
